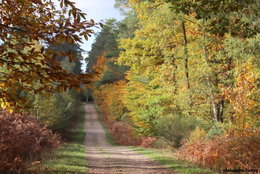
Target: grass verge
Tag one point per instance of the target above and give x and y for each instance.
(70, 158)
(166, 158)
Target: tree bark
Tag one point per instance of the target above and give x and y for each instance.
(186, 61)
(211, 91)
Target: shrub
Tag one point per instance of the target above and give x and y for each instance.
(216, 129)
(175, 128)
(196, 135)
(148, 141)
(162, 143)
(69, 104)
(56, 110)
(22, 138)
(122, 133)
(225, 152)
(46, 111)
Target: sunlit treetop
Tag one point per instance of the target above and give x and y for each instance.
(27, 27)
(237, 17)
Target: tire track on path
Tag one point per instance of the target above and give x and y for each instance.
(103, 158)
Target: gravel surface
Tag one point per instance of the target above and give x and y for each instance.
(103, 158)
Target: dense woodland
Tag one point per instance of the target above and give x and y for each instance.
(175, 74)
(182, 74)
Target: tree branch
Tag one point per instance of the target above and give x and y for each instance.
(12, 28)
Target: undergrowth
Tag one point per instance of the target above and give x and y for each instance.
(22, 139)
(161, 156)
(226, 152)
(69, 158)
(166, 157)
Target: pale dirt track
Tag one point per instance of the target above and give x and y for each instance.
(102, 158)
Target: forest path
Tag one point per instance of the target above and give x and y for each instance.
(103, 158)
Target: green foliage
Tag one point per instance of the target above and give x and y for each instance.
(216, 130)
(69, 158)
(176, 128)
(104, 53)
(127, 26)
(27, 28)
(193, 71)
(112, 74)
(238, 18)
(105, 43)
(57, 110)
(197, 134)
(145, 106)
(46, 111)
(122, 5)
(71, 65)
(162, 143)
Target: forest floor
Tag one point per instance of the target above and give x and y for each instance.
(102, 157)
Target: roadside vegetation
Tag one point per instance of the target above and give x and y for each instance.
(172, 74)
(70, 157)
(41, 85)
(182, 74)
(167, 158)
(101, 119)
(164, 155)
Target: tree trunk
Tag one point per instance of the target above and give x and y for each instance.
(186, 61)
(221, 110)
(211, 91)
(174, 77)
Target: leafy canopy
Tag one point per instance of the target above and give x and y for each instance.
(27, 27)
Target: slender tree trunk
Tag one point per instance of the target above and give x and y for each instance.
(211, 91)
(221, 110)
(186, 61)
(174, 77)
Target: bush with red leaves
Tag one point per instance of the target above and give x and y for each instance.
(148, 141)
(229, 152)
(22, 139)
(122, 133)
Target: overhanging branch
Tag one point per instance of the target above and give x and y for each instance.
(12, 28)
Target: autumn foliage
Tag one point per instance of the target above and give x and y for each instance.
(122, 133)
(109, 97)
(225, 152)
(22, 139)
(243, 98)
(192, 79)
(109, 100)
(27, 28)
(33, 69)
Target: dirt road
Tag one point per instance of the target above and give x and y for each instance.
(102, 158)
